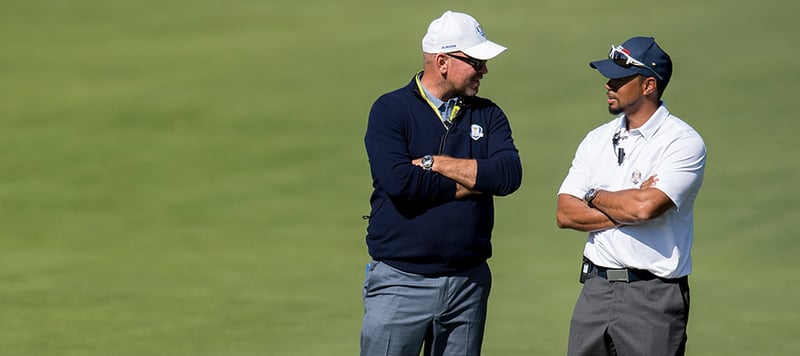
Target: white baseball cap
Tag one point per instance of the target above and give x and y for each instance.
(455, 31)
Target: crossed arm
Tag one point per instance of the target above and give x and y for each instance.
(612, 209)
(462, 170)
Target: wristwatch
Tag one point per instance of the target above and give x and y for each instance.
(427, 162)
(589, 196)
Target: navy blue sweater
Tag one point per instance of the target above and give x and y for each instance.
(416, 224)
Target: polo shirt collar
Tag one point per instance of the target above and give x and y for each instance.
(444, 108)
(653, 123)
(433, 99)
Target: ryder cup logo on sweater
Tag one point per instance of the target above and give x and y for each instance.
(476, 132)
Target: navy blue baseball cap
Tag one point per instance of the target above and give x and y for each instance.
(638, 55)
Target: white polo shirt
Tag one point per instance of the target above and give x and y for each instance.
(665, 146)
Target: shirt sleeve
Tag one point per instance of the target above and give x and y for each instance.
(386, 142)
(501, 173)
(680, 173)
(578, 179)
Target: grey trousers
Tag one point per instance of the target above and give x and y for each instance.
(647, 317)
(404, 312)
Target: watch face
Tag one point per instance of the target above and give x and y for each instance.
(427, 162)
(590, 196)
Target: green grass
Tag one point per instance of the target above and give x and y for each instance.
(188, 177)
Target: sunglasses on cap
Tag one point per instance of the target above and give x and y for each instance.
(476, 64)
(622, 58)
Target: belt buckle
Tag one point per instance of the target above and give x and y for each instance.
(617, 275)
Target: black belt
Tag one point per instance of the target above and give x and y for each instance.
(617, 274)
(624, 274)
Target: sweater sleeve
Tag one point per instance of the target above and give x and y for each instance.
(387, 143)
(501, 173)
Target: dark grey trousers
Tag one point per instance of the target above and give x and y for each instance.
(646, 317)
(404, 311)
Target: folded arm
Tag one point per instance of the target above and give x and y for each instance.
(612, 209)
(463, 171)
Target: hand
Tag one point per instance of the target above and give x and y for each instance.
(650, 182)
(463, 192)
(417, 162)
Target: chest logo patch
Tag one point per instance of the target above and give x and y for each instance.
(636, 177)
(476, 132)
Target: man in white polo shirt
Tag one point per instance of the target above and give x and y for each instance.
(632, 187)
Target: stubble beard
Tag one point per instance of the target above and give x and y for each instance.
(473, 86)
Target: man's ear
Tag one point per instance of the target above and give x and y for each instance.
(441, 62)
(649, 86)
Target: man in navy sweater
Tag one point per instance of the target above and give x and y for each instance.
(438, 155)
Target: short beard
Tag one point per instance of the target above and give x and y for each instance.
(616, 111)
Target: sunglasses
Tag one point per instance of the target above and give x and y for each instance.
(476, 64)
(622, 58)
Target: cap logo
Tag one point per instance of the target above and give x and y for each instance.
(480, 31)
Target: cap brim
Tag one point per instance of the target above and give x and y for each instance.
(611, 70)
(485, 50)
